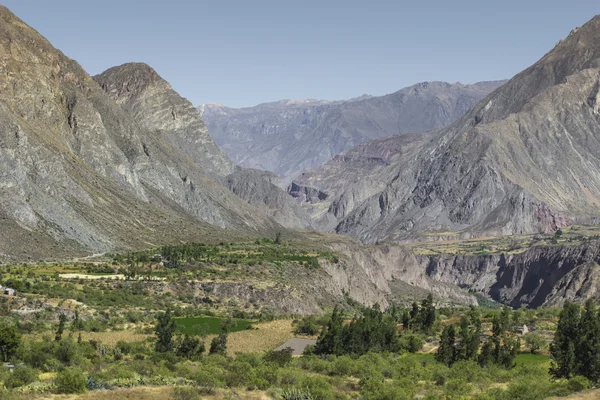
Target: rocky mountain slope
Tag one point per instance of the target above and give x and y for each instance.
(158, 109)
(287, 137)
(525, 159)
(85, 170)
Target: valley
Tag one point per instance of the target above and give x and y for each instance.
(438, 242)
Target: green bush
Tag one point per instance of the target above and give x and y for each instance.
(21, 376)
(578, 383)
(307, 326)
(70, 380)
(186, 393)
(297, 394)
(280, 357)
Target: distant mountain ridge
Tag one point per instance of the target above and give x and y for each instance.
(523, 160)
(289, 136)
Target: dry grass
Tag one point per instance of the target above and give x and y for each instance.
(587, 395)
(267, 336)
(110, 338)
(152, 393)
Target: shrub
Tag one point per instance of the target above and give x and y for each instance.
(70, 380)
(297, 394)
(219, 344)
(21, 376)
(185, 393)
(307, 326)
(578, 383)
(279, 357)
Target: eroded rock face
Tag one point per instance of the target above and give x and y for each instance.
(540, 276)
(287, 137)
(523, 160)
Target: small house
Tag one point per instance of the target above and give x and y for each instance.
(523, 330)
(9, 291)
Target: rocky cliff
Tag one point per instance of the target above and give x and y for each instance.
(287, 137)
(523, 160)
(540, 276)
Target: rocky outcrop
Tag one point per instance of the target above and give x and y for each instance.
(524, 160)
(287, 137)
(540, 276)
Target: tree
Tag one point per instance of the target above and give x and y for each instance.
(62, 320)
(10, 339)
(588, 346)
(164, 330)
(77, 323)
(278, 238)
(190, 347)
(486, 356)
(328, 340)
(427, 314)
(446, 352)
(219, 344)
(469, 336)
(535, 342)
(406, 320)
(563, 347)
(414, 315)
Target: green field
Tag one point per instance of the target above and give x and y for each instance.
(209, 325)
(533, 359)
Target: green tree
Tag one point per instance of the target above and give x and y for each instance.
(427, 314)
(469, 335)
(190, 347)
(446, 352)
(165, 328)
(10, 339)
(588, 346)
(219, 344)
(563, 347)
(535, 342)
(414, 315)
(328, 341)
(62, 320)
(278, 238)
(486, 356)
(77, 323)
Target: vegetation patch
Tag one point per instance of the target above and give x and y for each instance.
(203, 326)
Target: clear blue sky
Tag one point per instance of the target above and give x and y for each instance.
(241, 53)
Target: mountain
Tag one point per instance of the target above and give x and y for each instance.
(157, 108)
(89, 170)
(287, 137)
(524, 160)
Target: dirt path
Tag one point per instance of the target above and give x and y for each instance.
(297, 345)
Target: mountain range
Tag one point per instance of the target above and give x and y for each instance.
(523, 160)
(289, 136)
(112, 162)
(121, 161)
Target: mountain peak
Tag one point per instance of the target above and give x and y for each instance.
(128, 80)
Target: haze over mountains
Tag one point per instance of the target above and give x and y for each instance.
(524, 160)
(287, 136)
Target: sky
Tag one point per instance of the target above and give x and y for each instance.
(242, 53)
